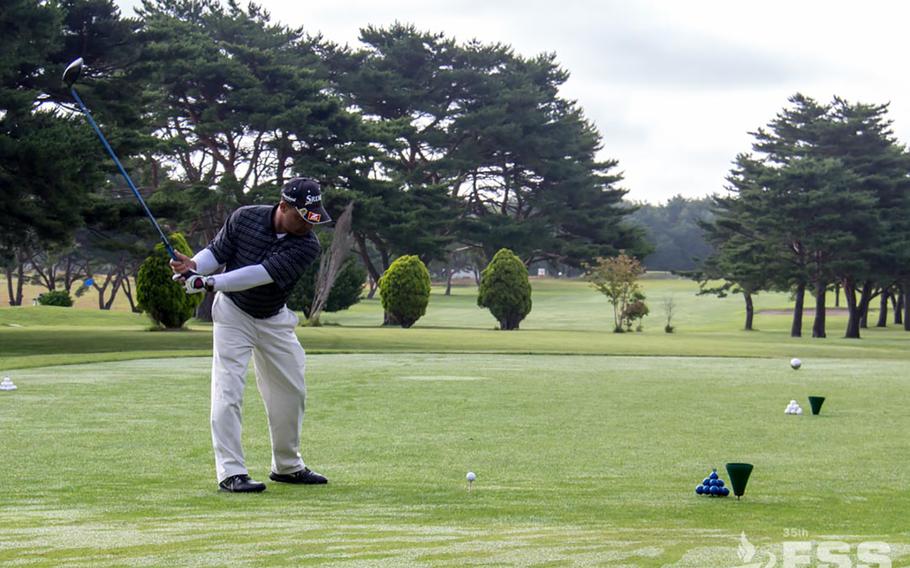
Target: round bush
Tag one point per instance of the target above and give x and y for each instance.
(56, 298)
(405, 290)
(164, 300)
(505, 289)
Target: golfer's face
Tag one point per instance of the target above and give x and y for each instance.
(295, 222)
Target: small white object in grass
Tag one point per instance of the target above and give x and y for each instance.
(799, 411)
(7, 384)
(471, 476)
(796, 363)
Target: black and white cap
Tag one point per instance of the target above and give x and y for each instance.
(304, 194)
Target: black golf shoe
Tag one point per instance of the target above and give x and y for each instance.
(303, 477)
(241, 484)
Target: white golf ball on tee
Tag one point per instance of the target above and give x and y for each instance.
(471, 476)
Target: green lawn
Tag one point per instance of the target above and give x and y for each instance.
(579, 460)
(568, 318)
(585, 455)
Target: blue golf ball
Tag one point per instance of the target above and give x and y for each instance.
(706, 482)
(713, 475)
(724, 491)
(715, 490)
(699, 489)
(720, 483)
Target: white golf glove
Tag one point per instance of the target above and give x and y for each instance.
(194, 284)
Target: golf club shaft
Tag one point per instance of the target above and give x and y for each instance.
(126, 176)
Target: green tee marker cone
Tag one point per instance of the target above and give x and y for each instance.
(739, 476)
(816, 403)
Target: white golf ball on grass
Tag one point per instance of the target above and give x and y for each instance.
(796, 363)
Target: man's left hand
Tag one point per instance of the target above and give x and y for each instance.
(194, 284)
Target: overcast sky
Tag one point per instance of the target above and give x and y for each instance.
(674, 87)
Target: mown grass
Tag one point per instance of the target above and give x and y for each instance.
(585, 455)
(580, 461)
(568, 317)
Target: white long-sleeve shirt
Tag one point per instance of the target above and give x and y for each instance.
(243, 278)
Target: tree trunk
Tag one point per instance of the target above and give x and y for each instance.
(906, 305)
(385, 258)
(448, 280)
(865, 300)
(818, 326)
(45, 267)
(863, 315)
(9, 285)
(116, 288)
(883, 310)
(72, 272)
(128, 292)
(897, 302)
(102, 289)
(17, 274)
(509, 323)
(373, 287)
(837, 295)
(853, 311)
(796, 330)
(362, 250)
(750, 310)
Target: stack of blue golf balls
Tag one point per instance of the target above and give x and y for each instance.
(713, 486)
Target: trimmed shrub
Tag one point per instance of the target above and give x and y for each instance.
(56, 298)
(405, 290)
(505, 289)
(164, 300)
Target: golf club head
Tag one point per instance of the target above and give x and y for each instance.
(72, 72)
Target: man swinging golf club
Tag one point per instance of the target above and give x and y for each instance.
(265, 249)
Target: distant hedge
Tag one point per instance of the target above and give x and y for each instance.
(56, 298)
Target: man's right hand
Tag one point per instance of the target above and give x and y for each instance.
(183, 264)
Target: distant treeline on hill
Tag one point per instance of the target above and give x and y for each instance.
(672, 230)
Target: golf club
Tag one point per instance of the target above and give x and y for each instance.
(70, 75)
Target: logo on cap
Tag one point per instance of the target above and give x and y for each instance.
(313, 217)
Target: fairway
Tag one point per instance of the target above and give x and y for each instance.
(581, 460)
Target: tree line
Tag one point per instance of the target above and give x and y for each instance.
(820, 204)
(448, 150)
(673, 231)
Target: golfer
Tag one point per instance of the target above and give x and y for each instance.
(265, 249)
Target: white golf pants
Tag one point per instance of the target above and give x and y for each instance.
(279, 362)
